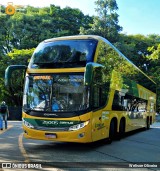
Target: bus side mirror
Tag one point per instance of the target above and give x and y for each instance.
(89, 73)
(9, 70)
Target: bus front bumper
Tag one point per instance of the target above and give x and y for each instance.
(81, 136)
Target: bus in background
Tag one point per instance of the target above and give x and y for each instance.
(82, 89)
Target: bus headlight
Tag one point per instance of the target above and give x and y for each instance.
(27, 124)
(78, 126)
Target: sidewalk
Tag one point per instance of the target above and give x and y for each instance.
(4, 130)
(10, 125)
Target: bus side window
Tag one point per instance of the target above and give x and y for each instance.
(152, 107)
(99, 97)
(96, 97)
(118, 101)
(100, 90)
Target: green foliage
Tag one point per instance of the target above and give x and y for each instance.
(5, 34)
(26, 29)
(154, 59)
(67, 21)
(20, 56)
(155, 53)
(135, 48)
(13, 96)
(106, 23)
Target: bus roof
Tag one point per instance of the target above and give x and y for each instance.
(75, 37)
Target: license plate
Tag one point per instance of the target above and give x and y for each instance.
(50, 135)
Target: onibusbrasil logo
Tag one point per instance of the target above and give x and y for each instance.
(10, 9)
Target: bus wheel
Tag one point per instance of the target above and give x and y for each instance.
(111, 132)
(147, 123)
(121, 129)
(150, 120)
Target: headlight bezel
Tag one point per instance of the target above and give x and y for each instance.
(78, 126)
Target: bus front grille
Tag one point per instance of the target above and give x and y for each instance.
(51, 128)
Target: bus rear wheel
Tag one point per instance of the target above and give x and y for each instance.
(121, 129)
(147, 123)
(112, 132)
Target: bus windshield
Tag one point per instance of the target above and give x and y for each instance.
(63, 54)
(55, 93)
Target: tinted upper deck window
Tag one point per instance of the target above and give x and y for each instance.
(63, 54)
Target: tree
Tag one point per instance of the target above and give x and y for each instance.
(67, 21)
(135, 48)
(25, 29)
(106, 23)
(13, 96)
(154, 59)
(155, 53)
(5, 34)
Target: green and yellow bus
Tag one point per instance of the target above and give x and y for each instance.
(82, 89)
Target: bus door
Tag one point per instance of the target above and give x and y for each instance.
(97, 125)
(99, 88)
(99, 98)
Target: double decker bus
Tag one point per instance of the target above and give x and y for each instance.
(82, 89)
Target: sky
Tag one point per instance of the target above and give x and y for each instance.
(135, 16)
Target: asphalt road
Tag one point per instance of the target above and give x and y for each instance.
(18, 152)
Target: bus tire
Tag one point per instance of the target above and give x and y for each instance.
(121, 129)
(111, 132)
(147, 123)
(150, 120)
